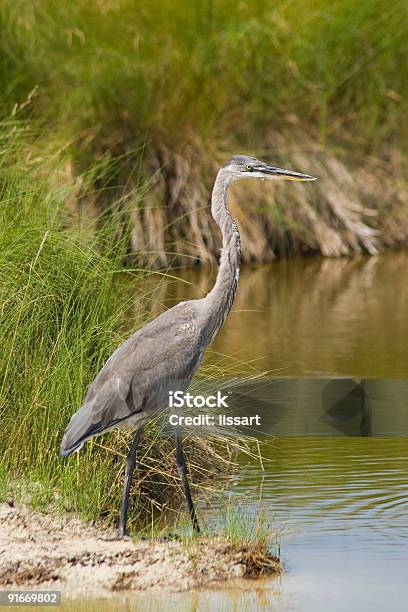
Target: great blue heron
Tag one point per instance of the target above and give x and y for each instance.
(162, 356)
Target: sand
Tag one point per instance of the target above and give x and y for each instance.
(43, 551)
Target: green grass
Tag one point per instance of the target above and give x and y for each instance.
(242, 527)
(61, 303)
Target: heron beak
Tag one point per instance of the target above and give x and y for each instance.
(271, 172)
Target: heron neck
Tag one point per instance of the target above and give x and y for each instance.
(221, 297)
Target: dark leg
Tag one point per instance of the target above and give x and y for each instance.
(130, 466)
(182, 470)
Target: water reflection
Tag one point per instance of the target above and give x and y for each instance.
(303, 317)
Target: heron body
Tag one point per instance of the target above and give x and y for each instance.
(163, 356)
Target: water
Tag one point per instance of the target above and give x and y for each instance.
(342, 506)
(313, 316)
(341, 502)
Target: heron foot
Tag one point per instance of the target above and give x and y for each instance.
(123, 534)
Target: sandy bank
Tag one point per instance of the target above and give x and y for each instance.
(81, 559)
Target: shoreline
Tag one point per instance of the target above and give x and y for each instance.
(42, 551)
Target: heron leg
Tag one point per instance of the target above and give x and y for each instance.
(130, 466)
(182, 470)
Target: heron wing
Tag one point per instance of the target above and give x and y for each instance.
(138, 376)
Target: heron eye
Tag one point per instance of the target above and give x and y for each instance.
(248, 167)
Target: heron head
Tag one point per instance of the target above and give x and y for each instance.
(241, 166)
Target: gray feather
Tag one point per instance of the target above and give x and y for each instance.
(135, 381)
